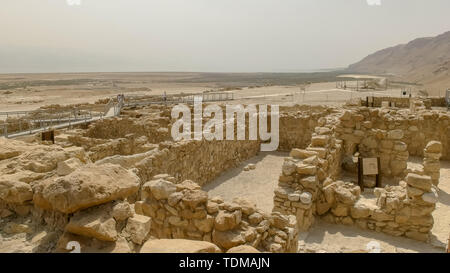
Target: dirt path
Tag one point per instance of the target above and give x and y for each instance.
(256, 185)
(441, 215)
(331, 238)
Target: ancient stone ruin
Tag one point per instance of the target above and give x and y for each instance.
(123, 185)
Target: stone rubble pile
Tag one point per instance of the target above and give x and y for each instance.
(184, 211)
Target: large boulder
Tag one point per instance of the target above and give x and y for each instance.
(88, 186)
(178, 246)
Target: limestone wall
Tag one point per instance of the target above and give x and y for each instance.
(200, 161)
(308, 185)
(297, 125)
(185, 211)
(305, 171)
(399, 102)
(403, 210)
(393, 135)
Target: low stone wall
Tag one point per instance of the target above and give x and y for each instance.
(98, 149)
(154, 128)
(397, 102)
(403, 210)
(200, 161)
(393, 134)
(184, 211)
(297, 125)
(303, 174)
(307, 186)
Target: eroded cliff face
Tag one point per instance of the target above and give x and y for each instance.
(423, 60)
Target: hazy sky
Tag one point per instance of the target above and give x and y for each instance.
(207, 35)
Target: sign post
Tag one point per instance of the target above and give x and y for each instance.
(368, 166)
(48, 136)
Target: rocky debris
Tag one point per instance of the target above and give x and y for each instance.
(160, 188)
(178, 246)
(10, 148)
(122, 211)
(227, 239)
(68, 166)
(15, 191)
(188, 213)
(88, 186)
(226, 221)
(95, 222)
(138, 228)
(13, 228)
(91, 245)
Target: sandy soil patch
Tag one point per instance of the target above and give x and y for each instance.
(256, 185)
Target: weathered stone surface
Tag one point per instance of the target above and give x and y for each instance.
(380, 215)
(227, 239)
(294, 197)
(13, 228)
(255, 218)
(433, 147)
(174, 198)
(178, 246)
(430, 197)
(360, 210)
(88, 186)
(160, 188)
(68, 166)
(9, 148)
(15, 191)
(205, 225)
(138, 228)
(422, 182)
(195, 198)
(306, 197)
(306, 169)
(412, 191)
(345, 196)
(400, 146)
(243, 249)
(340, 210)
(96, 222)
(301, 154)
(289, 167)
(247, 207)
(319, 140)
(395, 134)
(122, 211)
(225, 221)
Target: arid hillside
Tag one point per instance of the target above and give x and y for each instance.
(423, 61)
